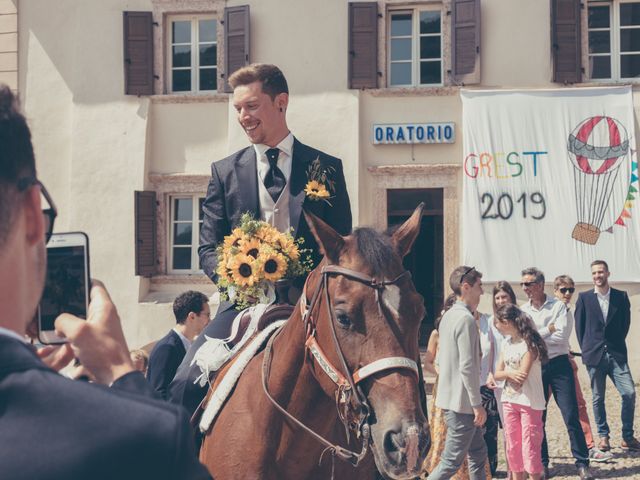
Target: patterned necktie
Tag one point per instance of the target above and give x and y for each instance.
(274, 180)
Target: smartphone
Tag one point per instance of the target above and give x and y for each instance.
(66, 288)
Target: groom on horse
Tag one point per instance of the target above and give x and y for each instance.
(274, 179)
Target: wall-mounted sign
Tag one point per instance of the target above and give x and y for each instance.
(413, 133)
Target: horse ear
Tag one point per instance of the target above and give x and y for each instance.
(404, 236)
(330, 241)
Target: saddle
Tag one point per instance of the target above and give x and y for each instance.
(273, 313)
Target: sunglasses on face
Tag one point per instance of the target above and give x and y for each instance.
(50, 212)
(564, 290)
(528, 284)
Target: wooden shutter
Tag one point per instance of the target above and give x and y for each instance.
(363, 45)
(465, 41)
(145, 233)
(565, 41)
(236, 41)
(138, 53)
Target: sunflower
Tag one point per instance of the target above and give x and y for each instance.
(250, 246)
(316, 190)
(243, 270)
(273, 264)
(233, 239)
(288, 247)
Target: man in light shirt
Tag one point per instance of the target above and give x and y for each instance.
(603, 318)
(459, 388)
(554, 324)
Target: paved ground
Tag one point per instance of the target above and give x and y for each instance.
(623, 465)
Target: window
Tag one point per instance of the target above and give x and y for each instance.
(186, 219)
(614, 40)
(415, 47)
(193, 53)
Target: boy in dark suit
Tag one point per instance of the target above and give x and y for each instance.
(192, 313)
(603, 318)
(52, 427)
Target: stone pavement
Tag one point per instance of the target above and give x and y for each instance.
(623, 466)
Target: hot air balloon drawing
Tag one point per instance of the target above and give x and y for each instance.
(597, 147)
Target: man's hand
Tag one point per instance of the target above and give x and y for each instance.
(491, 382)
(98, 342)
(56, 357)
(479, 416)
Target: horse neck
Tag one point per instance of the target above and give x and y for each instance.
(295, 387)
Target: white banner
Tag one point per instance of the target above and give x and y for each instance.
(551, 181)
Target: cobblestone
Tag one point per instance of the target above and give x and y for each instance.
(623, 464)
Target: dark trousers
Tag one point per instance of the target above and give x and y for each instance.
(491, 425)
(557, 376)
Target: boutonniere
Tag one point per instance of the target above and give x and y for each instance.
(320, 186)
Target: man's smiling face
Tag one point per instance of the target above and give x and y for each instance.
(262, 118)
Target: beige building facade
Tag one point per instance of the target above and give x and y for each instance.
(74, 60)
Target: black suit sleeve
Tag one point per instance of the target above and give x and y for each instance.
(186, 464)
(134, 382)
(215, 224)
(339, 215)
(163, 365)
(580, 319)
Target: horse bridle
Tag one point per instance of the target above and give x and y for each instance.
(348, 384)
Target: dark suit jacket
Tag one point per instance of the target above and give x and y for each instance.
(164, 361)
(233, 190)
(53, 428)
(595, 335)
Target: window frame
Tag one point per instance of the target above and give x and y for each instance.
(195, 232)
(615, 29)
(195, 67)
(416, 60)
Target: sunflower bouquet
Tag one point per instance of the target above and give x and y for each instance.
(255, 256)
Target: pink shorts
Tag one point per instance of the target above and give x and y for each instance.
(523, 431)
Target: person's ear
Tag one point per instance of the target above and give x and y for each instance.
(33, 217)
(282, 101)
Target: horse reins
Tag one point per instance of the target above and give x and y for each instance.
(348, 383)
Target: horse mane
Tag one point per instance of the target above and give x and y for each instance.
(376, 249)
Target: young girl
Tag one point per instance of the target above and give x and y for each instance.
(523, 395)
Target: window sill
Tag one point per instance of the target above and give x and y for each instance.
(176, 98)
(414, 91)
(181, 279)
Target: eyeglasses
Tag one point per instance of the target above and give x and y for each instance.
(49, 213)
(468, 271)
(564, 290)
(527, 284)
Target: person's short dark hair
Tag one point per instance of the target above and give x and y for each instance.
(187, 302)
(561, 280)
(16, 157)
(270, 76)
(463, 274)
(600, 262)
(535, 272)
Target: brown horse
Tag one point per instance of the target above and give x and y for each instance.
(356, 322)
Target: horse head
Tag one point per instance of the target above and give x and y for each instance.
(364, 317)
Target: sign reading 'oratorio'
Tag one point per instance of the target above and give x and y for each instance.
(413, 133)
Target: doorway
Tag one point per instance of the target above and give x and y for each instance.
(426, 259)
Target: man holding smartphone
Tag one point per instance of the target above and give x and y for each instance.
(52, 427)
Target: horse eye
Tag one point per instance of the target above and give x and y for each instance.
(343, 320)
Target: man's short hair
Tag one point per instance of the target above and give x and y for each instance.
(600, 262)
(535, 272)
(463, 274)
(16, 157)
(270, 76)
(187, 302)
(561, 280)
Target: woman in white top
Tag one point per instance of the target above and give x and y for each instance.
(523, 396)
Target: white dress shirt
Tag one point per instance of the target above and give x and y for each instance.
(10, 333)
(603, 300)
(185, 341)
(284, 158)
(552, 311)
